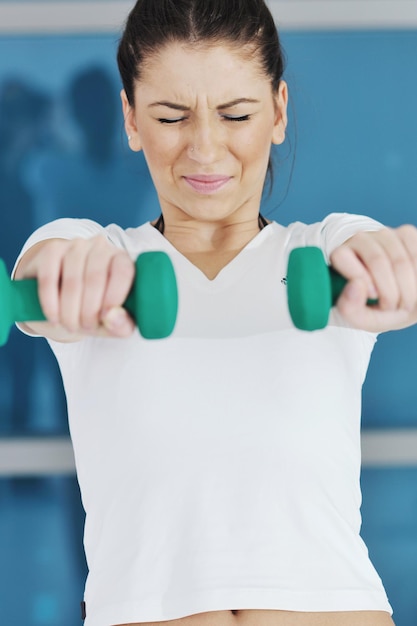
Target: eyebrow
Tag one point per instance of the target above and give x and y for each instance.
(182, 107)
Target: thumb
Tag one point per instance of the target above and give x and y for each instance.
(352, 303)
(118, 322)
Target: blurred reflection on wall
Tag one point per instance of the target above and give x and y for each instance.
(61, 155)
(24, 123)
(88, 171)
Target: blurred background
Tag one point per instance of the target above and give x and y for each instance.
(352, 146)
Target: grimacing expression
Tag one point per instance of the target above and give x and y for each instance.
(205, 118)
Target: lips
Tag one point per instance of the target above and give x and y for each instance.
(207, 184)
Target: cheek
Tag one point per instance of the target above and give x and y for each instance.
(258, 149)
(259, 137)
(156, 155)
(160, 151)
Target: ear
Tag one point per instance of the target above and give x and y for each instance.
(130, 123)
(281, 118)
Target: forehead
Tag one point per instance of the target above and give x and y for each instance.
(195, 67)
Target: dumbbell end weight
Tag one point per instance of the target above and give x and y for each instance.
(153, 300)
(5, 313)
(19, 302)
(309, 288)
(313, 288)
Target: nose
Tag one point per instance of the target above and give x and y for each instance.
(206, 143)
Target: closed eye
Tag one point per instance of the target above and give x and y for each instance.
(227, 118)
(171, 120)
(236, 118)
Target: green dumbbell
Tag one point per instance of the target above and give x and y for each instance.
(312, 288)
(152, 301)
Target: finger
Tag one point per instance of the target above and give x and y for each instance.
(47, 269)
(352, 302)
(408, 275)
(346, 261)
(95, 282)
(408, 235)
(72, 285)
(121, 275)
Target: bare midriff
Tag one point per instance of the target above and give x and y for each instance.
(278, 618)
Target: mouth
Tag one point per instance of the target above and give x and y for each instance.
(206, 184)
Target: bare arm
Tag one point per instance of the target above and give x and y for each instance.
(82, 284)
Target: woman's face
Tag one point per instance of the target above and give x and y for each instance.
(205, 118)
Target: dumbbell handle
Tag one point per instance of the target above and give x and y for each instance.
(25, 301)
(27, 307)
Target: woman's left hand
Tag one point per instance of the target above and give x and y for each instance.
(382, 265)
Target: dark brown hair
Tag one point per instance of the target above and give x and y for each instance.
(154, 23)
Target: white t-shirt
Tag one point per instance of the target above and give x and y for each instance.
(219, 468)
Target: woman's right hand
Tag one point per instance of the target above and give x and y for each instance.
(82, 284)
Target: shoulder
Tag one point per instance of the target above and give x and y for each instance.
(329, 233)
(131, 239)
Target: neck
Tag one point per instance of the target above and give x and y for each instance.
(208, 236)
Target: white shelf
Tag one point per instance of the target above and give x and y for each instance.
(54, 456)
(85, 16)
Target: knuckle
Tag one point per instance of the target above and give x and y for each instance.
(123, 258)
(408, 230)
(100, 241)
(99, 244)
(78, 246)
(55, 246)
(377, 260)
(408, 234)
(50, 255)
(362, 236)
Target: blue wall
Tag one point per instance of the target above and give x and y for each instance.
(352, 147)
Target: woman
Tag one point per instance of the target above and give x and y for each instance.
(219, 468)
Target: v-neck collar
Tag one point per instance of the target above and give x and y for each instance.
(227, 273)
